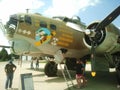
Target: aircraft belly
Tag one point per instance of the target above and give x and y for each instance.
(77, 53)
(27, 45)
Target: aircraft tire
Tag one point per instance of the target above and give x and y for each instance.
(50, 69)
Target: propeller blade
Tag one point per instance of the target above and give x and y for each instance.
(109, 19)
(92, 53)
(95, 32)
(93, 46)
(13, 43)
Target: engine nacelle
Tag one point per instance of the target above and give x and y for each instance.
(106, 38)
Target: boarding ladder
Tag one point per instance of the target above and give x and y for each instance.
(67, 76)
(65, 72)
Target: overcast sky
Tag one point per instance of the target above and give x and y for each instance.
(87, 10)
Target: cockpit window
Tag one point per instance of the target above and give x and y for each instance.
(43, 24)
(21, 18)
(28, 19)
(53, 27)
(12, 20)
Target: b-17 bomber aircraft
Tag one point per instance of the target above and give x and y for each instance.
(36, 35)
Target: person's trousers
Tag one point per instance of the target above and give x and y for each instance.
(9, 80)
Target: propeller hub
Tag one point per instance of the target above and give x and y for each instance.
(87, 32)
(97, 36)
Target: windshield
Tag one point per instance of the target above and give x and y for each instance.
(12, 23)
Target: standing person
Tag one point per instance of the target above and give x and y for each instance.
(79, 74)
(31, 64)
(37, 63)
(9, 69)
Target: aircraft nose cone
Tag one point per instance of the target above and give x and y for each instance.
(12, 26)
